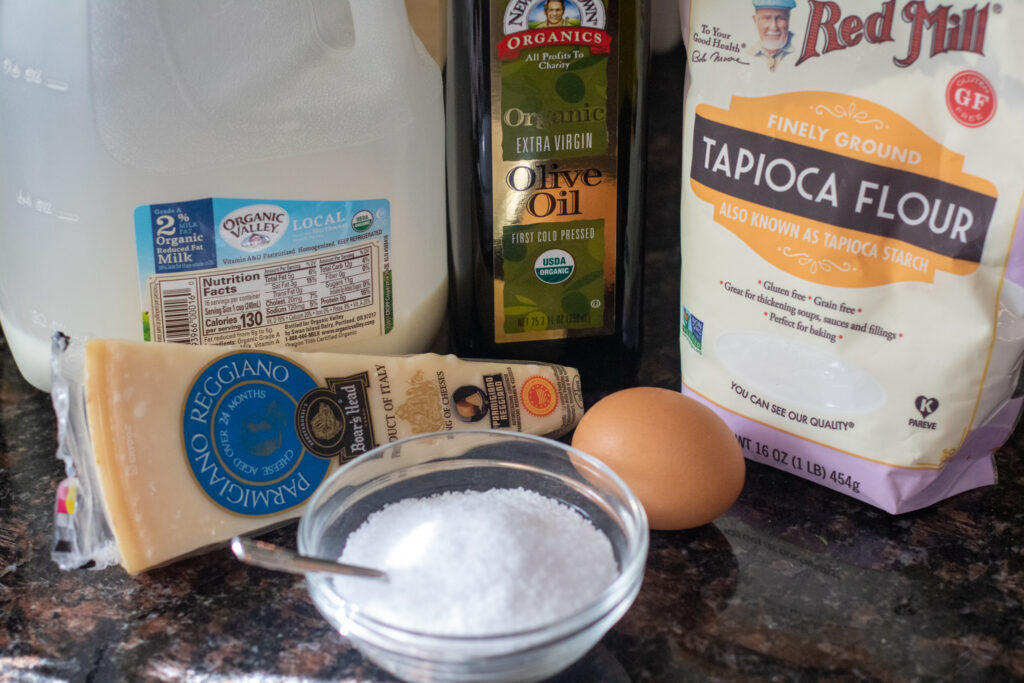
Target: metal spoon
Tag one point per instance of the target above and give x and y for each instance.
(270, 556)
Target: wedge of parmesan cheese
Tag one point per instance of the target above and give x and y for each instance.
(189, 445)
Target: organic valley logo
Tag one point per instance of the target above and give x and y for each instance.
(254, 227)
(551, 23)
(938, 31)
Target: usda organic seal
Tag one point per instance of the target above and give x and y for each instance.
(554, 266)
(362, 221)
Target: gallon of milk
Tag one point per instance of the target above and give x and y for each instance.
(217, 172)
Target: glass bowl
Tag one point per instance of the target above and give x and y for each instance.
(429, 464)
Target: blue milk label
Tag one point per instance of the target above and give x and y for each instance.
(264, 272)
(183, 238)
(241, 441)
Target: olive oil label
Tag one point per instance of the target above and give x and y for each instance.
(553, 127)
(554, 276)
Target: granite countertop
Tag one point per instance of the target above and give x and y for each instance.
(795, 582)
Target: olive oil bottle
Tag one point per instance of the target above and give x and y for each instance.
(545, 105)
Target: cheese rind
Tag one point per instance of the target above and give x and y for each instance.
(190, 446)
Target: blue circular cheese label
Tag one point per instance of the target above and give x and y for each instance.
(240, 437)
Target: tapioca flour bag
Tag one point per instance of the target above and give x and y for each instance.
(852, 283)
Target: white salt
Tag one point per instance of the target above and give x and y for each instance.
(477, 563)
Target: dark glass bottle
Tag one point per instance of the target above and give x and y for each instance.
(546, 133)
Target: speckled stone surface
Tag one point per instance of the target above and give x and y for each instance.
(795, 582)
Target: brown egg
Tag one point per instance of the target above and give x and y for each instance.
(679, 458)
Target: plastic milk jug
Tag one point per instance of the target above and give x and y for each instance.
(219, 172)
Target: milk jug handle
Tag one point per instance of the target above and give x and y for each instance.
(373, 23)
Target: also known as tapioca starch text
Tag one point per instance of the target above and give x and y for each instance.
(473, 563)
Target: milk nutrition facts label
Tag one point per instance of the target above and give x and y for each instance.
(264, 273)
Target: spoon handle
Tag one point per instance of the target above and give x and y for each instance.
(270, 556)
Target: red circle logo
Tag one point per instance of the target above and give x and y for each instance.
(539, 396)
(971, 99)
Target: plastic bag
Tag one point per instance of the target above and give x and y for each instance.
(852, 283)
(81, 533)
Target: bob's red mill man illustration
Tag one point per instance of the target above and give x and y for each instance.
(775, 40)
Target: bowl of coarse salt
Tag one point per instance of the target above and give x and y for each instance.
(507, 556)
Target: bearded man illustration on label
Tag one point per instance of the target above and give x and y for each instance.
(775, 40)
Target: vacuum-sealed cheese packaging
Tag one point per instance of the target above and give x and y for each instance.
(852, 272)
(172, 448)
